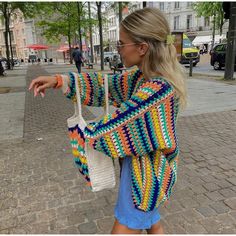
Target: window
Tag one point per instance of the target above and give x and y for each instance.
(220, 48)
(176, 22)
(189, 21)
(176, 5)
(24, 42)
(150, 4)
(206, 21)
(187, 43)
(23, 31)
(161, 6)
(189, 4)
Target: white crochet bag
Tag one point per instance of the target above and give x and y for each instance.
(97, 167)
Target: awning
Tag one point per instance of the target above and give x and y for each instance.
(207, 39)
(202, 40)
(38, 47)
(63, 48)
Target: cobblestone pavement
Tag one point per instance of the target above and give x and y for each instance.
(42, 192)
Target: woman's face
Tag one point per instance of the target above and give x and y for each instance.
(129, 50)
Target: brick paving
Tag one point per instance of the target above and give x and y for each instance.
(42, 192)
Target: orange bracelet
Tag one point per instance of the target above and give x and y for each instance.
(59, 81)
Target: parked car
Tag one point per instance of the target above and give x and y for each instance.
(3, 60)
(115, 61)
(109, 55)
(16, 62)
(218, 56)
(116, 64)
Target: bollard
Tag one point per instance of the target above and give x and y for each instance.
(191, 67)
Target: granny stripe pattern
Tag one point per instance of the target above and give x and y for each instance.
(77, 142)
(143, 128)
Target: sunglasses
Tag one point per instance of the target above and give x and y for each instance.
(121, 45)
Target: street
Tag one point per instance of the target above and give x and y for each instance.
(204, 67)
(42, 192)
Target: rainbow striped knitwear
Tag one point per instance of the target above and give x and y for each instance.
(143, 127)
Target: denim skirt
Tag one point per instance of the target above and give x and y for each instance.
(125, 211)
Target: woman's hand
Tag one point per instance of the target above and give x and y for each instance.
(41, 83)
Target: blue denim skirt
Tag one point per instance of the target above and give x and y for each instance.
(125, 211)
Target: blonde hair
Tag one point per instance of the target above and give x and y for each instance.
(150, 25)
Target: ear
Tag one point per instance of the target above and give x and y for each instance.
(143, 47)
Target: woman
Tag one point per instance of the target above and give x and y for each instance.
(143, 128)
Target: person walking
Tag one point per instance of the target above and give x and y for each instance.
(78, 58)
(142, 131)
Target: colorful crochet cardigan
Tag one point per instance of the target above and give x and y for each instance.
(142, 128)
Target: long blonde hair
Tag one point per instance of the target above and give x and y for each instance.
(150, 25)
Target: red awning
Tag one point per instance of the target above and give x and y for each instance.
(37, 47)
(63, 48)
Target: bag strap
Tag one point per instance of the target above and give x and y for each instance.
(78, 106)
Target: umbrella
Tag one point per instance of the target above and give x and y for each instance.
(37, 47)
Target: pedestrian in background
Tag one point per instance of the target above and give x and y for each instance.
(142, 131)
(78, 58)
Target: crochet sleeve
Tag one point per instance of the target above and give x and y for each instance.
(144, 123)
(92, 87)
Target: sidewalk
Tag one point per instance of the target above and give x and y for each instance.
(42, 192)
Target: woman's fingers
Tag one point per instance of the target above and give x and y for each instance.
(42, 94)
(34, 82)
(42, 87)
(41, 83)
(35, 91)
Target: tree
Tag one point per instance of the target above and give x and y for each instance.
(59, 19)
(99, 13)
(9, 10)
(90, 33)
(80, 13)
(6, 15)
(118, 8)
(211, 9)
(120, 11)
(68, 21)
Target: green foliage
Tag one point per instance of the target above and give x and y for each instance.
(115, 5)
(59, 19)
(208, 9)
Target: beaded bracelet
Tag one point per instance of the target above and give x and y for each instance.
(59, 81)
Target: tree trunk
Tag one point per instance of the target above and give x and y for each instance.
(10, 39)
(69, 39)
(100, 32)
(213, 31)
(120, 11)
(90, 34)
(5, 11)
(221, 26)
(231, 44)
(79, 7)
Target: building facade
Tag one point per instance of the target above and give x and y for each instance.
(180, 15)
